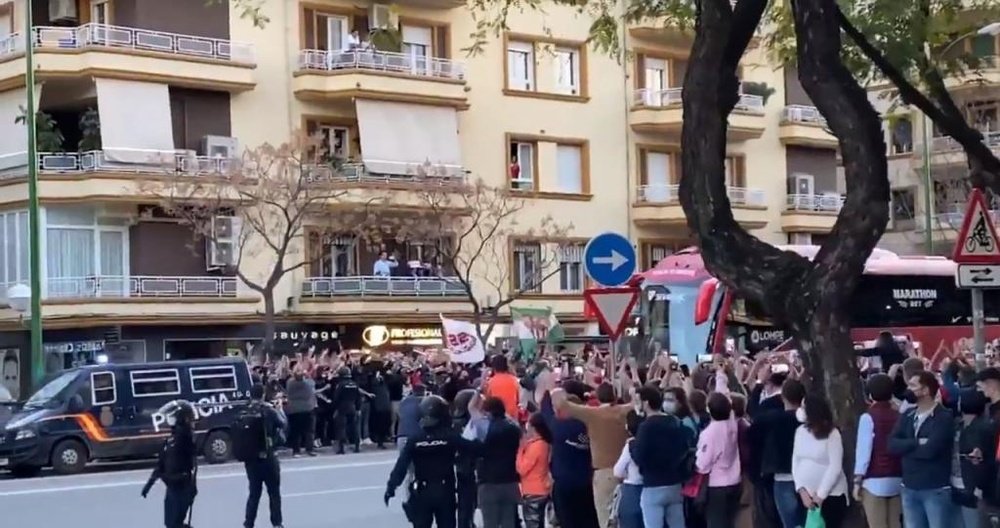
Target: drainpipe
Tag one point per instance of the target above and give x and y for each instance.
(928, 188)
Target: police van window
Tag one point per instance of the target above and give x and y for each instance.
(213, 379)
(102, 388)
(147, 383)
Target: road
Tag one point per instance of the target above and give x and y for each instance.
(323, 492)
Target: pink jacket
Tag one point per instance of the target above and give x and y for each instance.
(719, 453)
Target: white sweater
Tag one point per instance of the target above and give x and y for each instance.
(818, 465)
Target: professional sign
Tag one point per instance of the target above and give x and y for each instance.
(375, 336)
(609, 259)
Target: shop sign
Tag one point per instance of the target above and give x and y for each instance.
(378, 335)
(74, 347)
(306, 335)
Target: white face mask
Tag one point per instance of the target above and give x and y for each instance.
(172, 420)
(800, 415)
(669, 406)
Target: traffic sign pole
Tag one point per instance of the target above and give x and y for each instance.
(978, 324)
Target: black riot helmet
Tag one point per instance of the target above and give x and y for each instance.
(434, 412)
(178, 413)
(344, 373)
(460, 407)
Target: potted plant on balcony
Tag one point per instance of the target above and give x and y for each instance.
(386, 39)
(90, 131)
(48, 137)
(758, 88)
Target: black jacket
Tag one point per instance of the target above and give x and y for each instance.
(177, 460)
(499, 453)
(977, 435)
(432, 455)
(661, 449)
(347, 396)
(772, 438)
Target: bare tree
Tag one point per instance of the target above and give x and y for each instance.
(255, 215)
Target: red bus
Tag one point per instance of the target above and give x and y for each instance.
(689, 312)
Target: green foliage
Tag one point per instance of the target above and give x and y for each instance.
(386, 39)
(48, 137)
(90, 131)
(758, 88)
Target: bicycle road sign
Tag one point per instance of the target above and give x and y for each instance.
(977, 241)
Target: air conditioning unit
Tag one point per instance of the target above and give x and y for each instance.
(62, 11)
(382, 16)
(219, 146)
(223, 245)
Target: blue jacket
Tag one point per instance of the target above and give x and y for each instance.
(409, 416)
(570, 460)
(926, 453)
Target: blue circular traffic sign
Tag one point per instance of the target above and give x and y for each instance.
(609, 259)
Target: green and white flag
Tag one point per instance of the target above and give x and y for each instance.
(534, 325)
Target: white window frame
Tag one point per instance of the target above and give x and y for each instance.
(175, 378)
(571, 267)
(523, 52)
(20, 272)
(192, 373)
(574, 70)
(522, 253)
(330, 132)
(521, 179)
(345, 32)
(351, 251)
(93, 388)
(98, 6)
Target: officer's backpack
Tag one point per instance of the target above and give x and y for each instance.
(249, 434)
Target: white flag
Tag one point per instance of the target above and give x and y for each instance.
(462, 341)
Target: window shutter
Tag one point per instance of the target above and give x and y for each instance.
(739, 177)
(678, 69)
(322, 31)
(640, 71)
(309, 28)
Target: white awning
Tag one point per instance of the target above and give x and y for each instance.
(398, 137)
(135, 122)
(14, 135)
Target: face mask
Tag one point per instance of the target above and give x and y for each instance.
(910, 397)
(172, 420)
(800, 415)
(669, 406)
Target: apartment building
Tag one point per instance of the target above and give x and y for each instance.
(142, 90)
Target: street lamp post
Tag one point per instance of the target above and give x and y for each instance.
(34, 251)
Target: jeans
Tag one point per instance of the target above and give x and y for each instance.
(927, 508)
(265, 472)
(966, 517)
(498, 504)
(629, 509)
(790, 509)
(662, 506)
(533, 510)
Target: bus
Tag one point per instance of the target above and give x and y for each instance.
(690, 313)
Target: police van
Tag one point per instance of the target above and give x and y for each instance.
(110, 412)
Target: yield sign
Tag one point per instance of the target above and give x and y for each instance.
(977, 242)
(613, 307)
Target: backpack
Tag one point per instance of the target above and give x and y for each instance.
(249, 435)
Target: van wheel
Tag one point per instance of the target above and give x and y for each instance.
(69, 457)
(218, 447)
(25, 471)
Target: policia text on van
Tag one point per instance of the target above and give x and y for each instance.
(111, 412)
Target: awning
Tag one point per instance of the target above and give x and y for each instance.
(14, 135)
(398, 137)
(135, 122)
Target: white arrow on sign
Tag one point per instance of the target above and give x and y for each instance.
(973, 276)
(616, 260)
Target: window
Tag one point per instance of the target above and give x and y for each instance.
(734, 171)
(802, 185)
(983, 115)
(984, 46)
(336, 141)
(14, 266)
(417, 46)
(522, 165)
(102, 388)
(527, 271)
(521, 66)
(570, 168)
(571, 278)
(903, 208)
(213, 379)
(339, 257)
(86, 254)
(901, 136)
(654, 252)
(99, 13)
(148, 383)
(800, 239)
(337, 31)
(567, 69)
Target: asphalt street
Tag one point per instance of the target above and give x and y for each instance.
(323, 492)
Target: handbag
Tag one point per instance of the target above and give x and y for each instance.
(696, 489)
(814, 519)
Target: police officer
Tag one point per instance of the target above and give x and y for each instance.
(346, 402)
(465, 463)
(263, 469)
(432, 453)
(176, 465)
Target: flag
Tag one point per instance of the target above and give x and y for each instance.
(531, 325)
(462, 341)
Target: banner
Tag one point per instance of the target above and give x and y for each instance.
(462, 341)
(531, 325)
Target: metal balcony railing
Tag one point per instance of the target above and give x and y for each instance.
(822, 203)
(129, 161)
(364, 59)
(140, 287)
(12, 44)
(366, 286)
(802, 114)
(668, 194)
(118, 37)
(416, 173)
(673, 96)
(947, 144)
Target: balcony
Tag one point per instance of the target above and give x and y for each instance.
(358, 174)
(394, 296)
(117, 161)
(947, 151)
(659, 206)
(811, 213)
(661, 112)
(141, 287)
(986, 75)
(804, 126)
(343, 75)
(131, 53)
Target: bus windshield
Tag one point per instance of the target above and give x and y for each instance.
(51, 392)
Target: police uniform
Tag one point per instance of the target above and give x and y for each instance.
(265, 470)
(465, 463)
(432, 454)
(346, 403)
(176, 465)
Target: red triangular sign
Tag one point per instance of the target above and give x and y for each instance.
(613, 306)
(977, 241)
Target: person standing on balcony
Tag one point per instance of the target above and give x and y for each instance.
(384, 265)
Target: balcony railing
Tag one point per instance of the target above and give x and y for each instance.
(672, 96)
(947, 144)
(802, 114)
(432, 67)
(140, 287)
(126, 38)
(668, 194)
(820, 203)
(128, 161)
(416, 173)
(383, 287)
(948, 221)
(12, 44)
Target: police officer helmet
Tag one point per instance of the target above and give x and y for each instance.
(178, 412)
(434, 412)
(460, 407)
(344, 372)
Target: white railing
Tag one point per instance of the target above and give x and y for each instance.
(141, 287)
(383, 287)
(948, 144)
(948, 221)
(118, 160)
(802, 114)
(673, 96)
(668, 194)
(118, 37)
(381, 61)
(12, 44)
(372, 173)
(822, 203)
